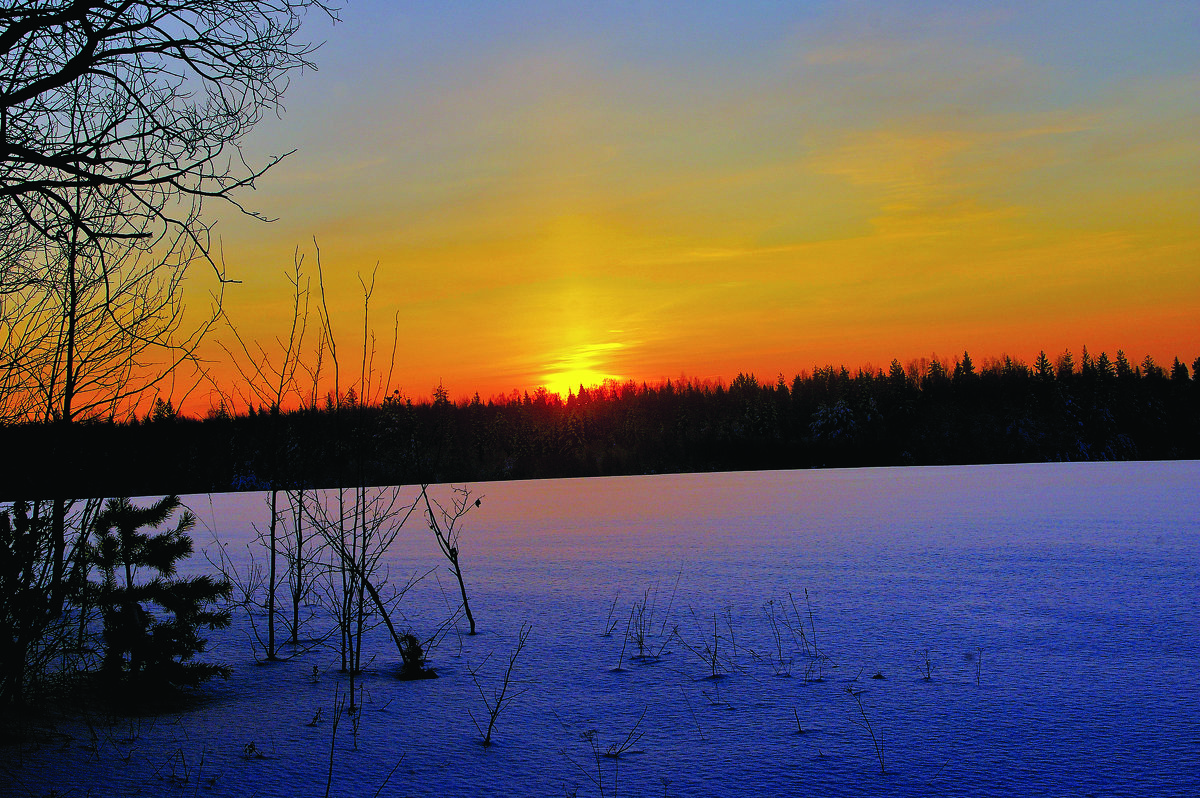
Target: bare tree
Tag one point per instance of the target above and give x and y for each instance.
(91, 335)
(117, 122)
(500, 696)
(446, 525)
(96, 331)
(147, 101)
(269, 379)
(358, 525)
(298, 558)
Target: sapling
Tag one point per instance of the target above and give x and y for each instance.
(358, 534)
(626, 746)
(926, 666)
(614, 752)
(270, 380)
(639, 617)
(299, 582)
(796, 629)
(589, 737)
(388, 778)
(671, 602)
(781, 665)
(687, 701)
(609, 623)
(356, 713)
(732, 638)
(814, 670)
(811, 624)
(713, 661)
(866, 723)
(339, 706)
(249, 588)
(500, 697)
(621, 658)
(643, 622)
(710, 654)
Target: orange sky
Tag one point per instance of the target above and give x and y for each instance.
(557, 194)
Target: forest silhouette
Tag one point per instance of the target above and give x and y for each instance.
(928, 412)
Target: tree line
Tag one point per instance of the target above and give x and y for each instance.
(927, 412)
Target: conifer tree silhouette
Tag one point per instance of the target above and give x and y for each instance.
(151, 628)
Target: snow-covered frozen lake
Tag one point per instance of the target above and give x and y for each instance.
(1056, 608)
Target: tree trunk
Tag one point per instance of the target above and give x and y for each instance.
(271, 652)
(463, 589)
(298, 567)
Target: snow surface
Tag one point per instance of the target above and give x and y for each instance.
(1058, 604)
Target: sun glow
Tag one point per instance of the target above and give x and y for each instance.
(567, 382)
(580, 366)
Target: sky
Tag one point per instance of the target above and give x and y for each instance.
(556, 193)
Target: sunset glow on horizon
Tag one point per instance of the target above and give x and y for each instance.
(563, 194)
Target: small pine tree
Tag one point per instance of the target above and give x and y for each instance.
(151, 627)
